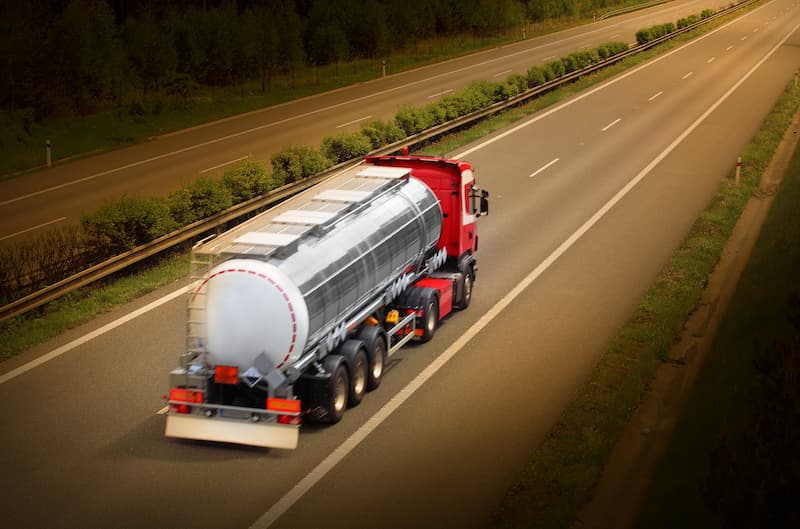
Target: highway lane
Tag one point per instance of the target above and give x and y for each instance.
(84, 448)
(60, 195)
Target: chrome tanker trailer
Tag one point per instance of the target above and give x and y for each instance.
(295, 311)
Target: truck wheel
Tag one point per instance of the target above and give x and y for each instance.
(466, 290)
(431, 318)
(356, 356)
(375, 341)
(336, 394)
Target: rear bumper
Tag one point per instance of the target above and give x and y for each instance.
(264, 434)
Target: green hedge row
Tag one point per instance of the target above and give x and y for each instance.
(646, 35)
(539, 75)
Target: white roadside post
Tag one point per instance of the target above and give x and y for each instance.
(48, 153)
(738, 169)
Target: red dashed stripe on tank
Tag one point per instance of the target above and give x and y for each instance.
(277, 287)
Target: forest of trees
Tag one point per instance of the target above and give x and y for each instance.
(78, 55)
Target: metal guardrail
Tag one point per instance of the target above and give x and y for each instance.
(204, 226)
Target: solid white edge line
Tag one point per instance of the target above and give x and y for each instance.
(55, 353)
(327, 464)
(543, 168)
(610, 124)
(352, 122)
(26, 230)
(224, 164)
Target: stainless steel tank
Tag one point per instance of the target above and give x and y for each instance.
(283, 304)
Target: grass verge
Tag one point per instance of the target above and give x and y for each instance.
(18, 334)
(23, 332)
(727, 387)
(563, 471)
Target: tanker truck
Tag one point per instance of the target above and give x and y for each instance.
(295, 312)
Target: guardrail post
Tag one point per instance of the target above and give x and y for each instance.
(384, 68)
(49, 161)
(738, 169)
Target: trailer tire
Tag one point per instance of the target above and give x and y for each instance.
(336, 391)
(355, 354)
(374, 339)
(431, 317)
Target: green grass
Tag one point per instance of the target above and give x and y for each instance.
(563, 471)
(23, 332)
(725, 389)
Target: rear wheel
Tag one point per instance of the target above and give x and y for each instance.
(337, 393)
(375, 342)
(431, 318)
(355, 353)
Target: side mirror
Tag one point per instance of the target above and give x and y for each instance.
(479, 201)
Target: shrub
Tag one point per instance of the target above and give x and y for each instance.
(505, 91)
(643, 36)
(693, 19)
(380, 133)
(683, 22)
(246, 180)
(296, 162)
(535, 77)
(179, 203)
(209, 197)
(345, 146)
(609, 49)
(467, 100)
(128, 222)
(520, 81)
(413, 120)
(617, 47)
(706, 13)
(556, 69)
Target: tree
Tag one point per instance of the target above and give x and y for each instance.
(326, 41)
(418, 22)
(266, 40)
(85, 48)
(366, 28)
(151, 49)
(291, 51)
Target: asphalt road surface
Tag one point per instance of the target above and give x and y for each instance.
(50, 198)
(589, 199)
